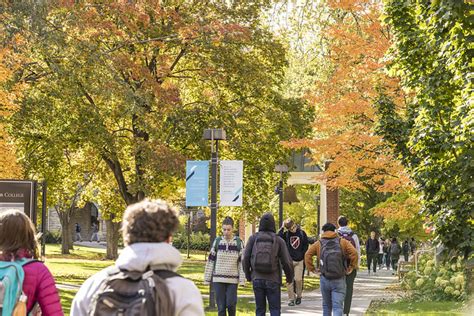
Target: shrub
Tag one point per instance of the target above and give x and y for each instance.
(52, 237)
(198, 241)
(445, 281)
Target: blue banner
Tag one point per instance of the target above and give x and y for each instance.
(197, 183)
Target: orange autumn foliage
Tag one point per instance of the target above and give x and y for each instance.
(344, 129)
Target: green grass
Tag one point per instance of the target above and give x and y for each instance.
(411, 307)
(83, 262)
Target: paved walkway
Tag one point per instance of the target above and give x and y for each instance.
(366, 289)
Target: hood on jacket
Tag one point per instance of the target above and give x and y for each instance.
(267, 223)
(344, 230)
(140, 256)
(329, 235)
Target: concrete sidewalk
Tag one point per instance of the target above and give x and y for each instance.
(366, 289)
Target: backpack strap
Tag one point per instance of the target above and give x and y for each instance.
(217, 241)
(166, 274)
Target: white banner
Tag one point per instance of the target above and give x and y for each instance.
(231, 182)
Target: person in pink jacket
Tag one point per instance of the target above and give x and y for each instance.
(18, 241)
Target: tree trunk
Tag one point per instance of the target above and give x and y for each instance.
(113, 235)
(65, 238)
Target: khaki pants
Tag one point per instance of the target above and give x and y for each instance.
(298, 267)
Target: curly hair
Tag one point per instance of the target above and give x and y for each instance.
(149, 221)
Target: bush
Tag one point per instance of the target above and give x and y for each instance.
(198, 241)
(445, 281)
(52, 237)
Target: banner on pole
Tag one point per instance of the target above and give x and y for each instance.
(197, 183)
(231, 182)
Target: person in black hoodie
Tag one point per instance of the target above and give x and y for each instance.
(372, 250)
(265, 256)
(297, 242)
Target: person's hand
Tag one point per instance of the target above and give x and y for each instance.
(242, 283)
(349, 271)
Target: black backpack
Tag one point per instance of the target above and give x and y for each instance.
(332, 259)
(131, 293)
(264, 257)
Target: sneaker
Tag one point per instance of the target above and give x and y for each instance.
(291, 303)
(298, 301)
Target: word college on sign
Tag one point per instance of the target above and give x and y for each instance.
(231, 182)
(197, 183)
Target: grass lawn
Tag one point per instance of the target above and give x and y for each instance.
(411, 307)
(83, 262)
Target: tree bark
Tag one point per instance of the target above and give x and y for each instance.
(66, 231)
(112, 236)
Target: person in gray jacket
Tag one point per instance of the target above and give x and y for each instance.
(265, 256)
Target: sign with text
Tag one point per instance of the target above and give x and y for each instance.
(231, 182)
(197, 183)
(18, 194)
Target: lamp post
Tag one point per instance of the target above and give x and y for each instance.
(214, 135)
(279, 190)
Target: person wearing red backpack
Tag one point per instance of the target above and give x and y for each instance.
(18, 244)
(345, 232)
(331, 252)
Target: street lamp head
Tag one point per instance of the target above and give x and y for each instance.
(214, 134)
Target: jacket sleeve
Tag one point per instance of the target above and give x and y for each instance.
(281, 232)
(48, 297)
(305, 241)
(286, 261)
(210, 264)
(308, 257)
(357, 242)
(350, 253)
(246, 258)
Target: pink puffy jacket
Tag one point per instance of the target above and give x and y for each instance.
(39, 287)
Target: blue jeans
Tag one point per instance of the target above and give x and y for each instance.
(267, 290)
(226, 298)
(333, 292)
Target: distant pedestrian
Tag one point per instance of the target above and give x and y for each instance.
(387, 253)
(265, 256)
(331, 252)
(406, 250)
(380, 257)
(395, 251)
(297, 242)
(224, 268)
(412, 246)
(372, 251)
(345, 232)
(78, 232)
(95, 232)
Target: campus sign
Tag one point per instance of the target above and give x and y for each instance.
(18, 194)
(197, 183)
(231, 182)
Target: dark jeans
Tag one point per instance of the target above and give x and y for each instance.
(387, 260)
(333, 292)
(267, 290)
(380, 260)
(372, 260)
(406, 257)
(394, 264)
(349, 287)
(226, 298)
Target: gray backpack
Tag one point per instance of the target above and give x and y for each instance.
(131, 293)
(332, 259)
(264, 258)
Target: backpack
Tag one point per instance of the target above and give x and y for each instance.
(11, 285)
(332, 259)
(78, 229)
(133, 293)
(348, 237)
(395, 250)
(264, 257)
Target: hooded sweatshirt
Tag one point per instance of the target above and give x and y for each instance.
(347, 249)
(267, 229)
(138, 257)
(347, 230)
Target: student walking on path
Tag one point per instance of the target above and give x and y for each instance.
(147, 259)
(264, 257)
(381, 253)
(95, 232)
(331, 252)
(78, 232)
(372, 251)
(395, 251)
(386, 251)
(19, 248)
(297, 242)
(224, 268)
(345, 232)
(406, 250)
